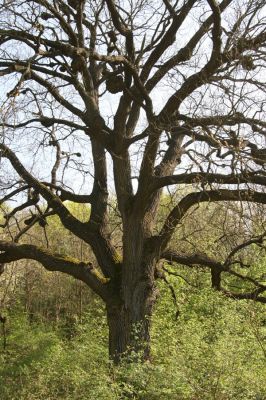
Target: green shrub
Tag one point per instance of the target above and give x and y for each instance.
(213, 350)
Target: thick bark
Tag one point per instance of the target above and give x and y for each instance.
(129, 317)
(129, 329)
(216, 278)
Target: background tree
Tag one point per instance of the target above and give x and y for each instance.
(168, 94)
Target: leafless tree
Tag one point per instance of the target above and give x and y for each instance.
(166, 94)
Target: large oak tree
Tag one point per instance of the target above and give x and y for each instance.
(131, 97)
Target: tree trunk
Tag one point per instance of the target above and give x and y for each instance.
(129, 315)
(129, 327)
(216, 278)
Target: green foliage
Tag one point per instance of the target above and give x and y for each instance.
(57, 336)
(216, 346)
(40, 364)
(215, 349)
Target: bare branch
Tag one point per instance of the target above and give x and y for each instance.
(56, 262)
